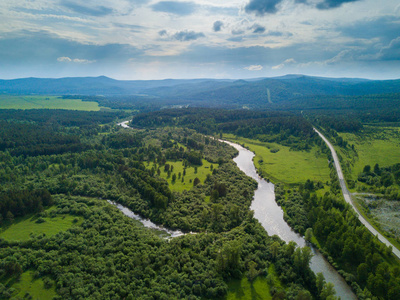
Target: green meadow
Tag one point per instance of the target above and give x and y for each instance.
(49, 102)
(259, 289)
(289, 167)
(28, 287)
(22, 228)
(189, 177)
(377, 145)
(245, 290)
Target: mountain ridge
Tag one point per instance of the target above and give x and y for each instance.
(238, 92)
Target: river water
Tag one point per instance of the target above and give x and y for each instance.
(270, 215)
(146, 222)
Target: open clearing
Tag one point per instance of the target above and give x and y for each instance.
(48, 102)
(376, 145)
(178, 185)
(27, 285)
(22, 228)
(243, 289)
(289, 167)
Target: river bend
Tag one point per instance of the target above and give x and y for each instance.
(270, 215)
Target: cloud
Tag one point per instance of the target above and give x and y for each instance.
(385, 28)
(277, 33)
(254, 68)
(217, 26)
(288, 61)
(95, 11)
(182, 36)
(132, 28)
(392, 51)
(329, 4)
(262, 7)
(75, 60)
(27, 47)
(174, 7)
(235, 39)
(345, 55)
(185, 36)
(237, 31)
(257, 28)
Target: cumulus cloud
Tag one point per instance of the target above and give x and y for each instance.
(262, 7)
(254, 68)
(329, 4)
(256, 28)
(95, 11)
(218, 26)
(75, 60)
(175, 7)
(288, 61)
(185, 36)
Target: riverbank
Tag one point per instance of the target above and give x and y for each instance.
(270, 215)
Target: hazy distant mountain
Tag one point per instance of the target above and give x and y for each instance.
(251, 92)
(85, 85)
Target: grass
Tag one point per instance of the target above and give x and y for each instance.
(376, 145)
(23, 227)
(289, 167)
(180, 186)
(243, 289)
(26, 284)
(50, 102)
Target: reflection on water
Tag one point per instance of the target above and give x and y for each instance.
(270, 215)
(146, 222)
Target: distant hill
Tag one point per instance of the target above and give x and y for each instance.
(205, 92)
(85, 86)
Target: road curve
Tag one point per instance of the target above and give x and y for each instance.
(347, 197)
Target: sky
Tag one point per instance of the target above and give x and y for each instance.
(147, 39)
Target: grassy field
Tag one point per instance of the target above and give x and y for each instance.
(243, 289)
(27, 285)
(50, 102)
(381, 146)
(374, 145)
(180, 186)
(289, 167)
(21, 228)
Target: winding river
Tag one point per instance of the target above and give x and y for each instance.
(146, 222)
(270, 215)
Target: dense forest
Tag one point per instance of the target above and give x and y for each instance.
(107, 255)
(273, 126)
(172, 169)
(364, 262)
